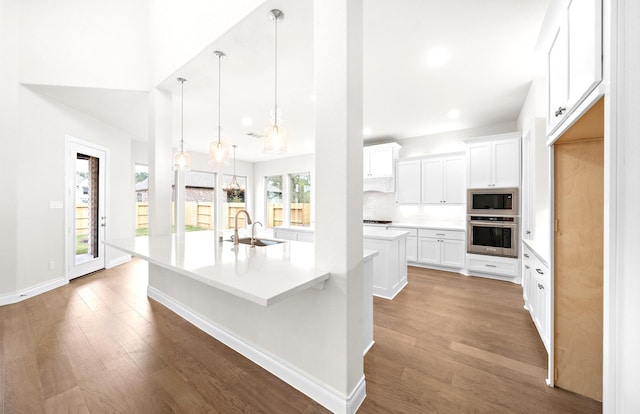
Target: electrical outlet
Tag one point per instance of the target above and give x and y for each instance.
(52, 265)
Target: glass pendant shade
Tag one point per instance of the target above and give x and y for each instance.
(275, 139)
(181, 161)
(218, 152)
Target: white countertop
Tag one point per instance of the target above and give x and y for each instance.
(296, 228)
(263, 275)
(435, 225)
(540, 249)
(382, 233)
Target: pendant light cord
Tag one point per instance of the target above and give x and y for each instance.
(275, 115)
(219, 93)
(182, 117)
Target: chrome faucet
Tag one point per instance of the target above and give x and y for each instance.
(235, 227)
(253, 229)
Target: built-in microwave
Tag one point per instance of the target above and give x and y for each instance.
(492, 201)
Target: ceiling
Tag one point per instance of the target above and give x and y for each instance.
(430, 66)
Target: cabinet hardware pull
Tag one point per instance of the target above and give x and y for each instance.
(540, 272)
(560, 111)
(528, 232)
(526, 255)
(526, 267)
(488, 265)
(540, 286)
(440, 234)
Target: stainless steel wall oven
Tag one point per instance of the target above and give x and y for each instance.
(493, 235)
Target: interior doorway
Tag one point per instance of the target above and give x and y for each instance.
(85, 212)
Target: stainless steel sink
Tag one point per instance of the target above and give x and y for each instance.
(260, 242)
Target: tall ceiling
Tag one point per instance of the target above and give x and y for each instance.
(430, 66)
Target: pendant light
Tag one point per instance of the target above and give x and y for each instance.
(275, 141)
(182, 160)
(233, 186)
(218, 150)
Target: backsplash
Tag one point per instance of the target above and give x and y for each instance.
(382, 206)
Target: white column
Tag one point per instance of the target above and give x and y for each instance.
(338, 165)
(160, 162)
(180, 199)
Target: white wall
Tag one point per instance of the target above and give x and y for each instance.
(85, 43)
(9, 21)
(40, 178)
(180, 30)
(532, 119)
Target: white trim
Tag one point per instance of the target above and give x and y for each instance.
(19, 296)
(118, 261)
(312, 387)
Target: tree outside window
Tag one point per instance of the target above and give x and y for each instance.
(273, 188)
(300, 199)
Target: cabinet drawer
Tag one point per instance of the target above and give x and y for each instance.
(488, 264)
(441, 234)
(412, 231)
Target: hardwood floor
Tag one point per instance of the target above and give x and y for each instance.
(446, 344)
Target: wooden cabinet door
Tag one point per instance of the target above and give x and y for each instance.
(408, 182)
(479, 166)
(432, 181)
(578, 265)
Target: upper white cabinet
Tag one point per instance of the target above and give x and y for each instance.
(378, 167)
(494, 161)
(378, 161)
(408, 181)
(443, 180)
(574, 58)
(431, 180)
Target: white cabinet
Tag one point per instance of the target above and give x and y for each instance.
(378, 160)
(408, 182)
(441, 247)
(535, 288)
(443, 180)
(574, 58)
(389, 266)
(494, 161)
(494, 267)
(293, 234)
(412, 242)
(431, 180)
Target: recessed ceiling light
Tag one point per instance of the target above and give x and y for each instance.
(247, 122)
(453, 114)
(437, 57)
(366, 131)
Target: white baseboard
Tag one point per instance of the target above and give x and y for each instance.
(15, 297)
(118, 261)
(313, 388)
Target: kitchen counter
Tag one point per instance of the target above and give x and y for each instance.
(541, 250)
(382, 233)
(263, 275)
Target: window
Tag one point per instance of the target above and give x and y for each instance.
(273, 188)
(300, 199)
(234, 200)
(142, 199)
(199, 200)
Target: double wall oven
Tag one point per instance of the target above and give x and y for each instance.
(492, 221)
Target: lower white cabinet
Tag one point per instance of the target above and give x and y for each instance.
(390, 265)
(494, 267)
(441, 247)
(293, 234)
(535, 291)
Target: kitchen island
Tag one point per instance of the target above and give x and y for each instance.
(258, 274)
(390, 266)
(270, 304)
